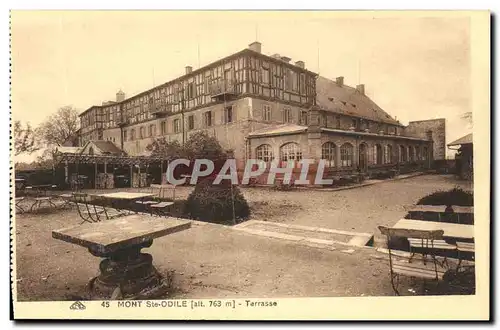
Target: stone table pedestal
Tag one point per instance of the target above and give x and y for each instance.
(125, 272)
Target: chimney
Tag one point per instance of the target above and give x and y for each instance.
(120, 96)
(361, 88)
(189, 69)
(339, 81)
(255, 46)
(300, 64)
(286, 59)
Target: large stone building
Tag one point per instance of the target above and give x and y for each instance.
(269, 108)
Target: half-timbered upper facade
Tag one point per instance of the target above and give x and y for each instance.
(244, 93)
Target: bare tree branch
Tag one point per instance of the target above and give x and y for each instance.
(60, 126)
(24, 139)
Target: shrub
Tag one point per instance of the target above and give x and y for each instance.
(455, 196)
(214, 203)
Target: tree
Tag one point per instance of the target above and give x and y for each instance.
(199, 146)
(202, 146)
(60, 126)
(160, 147)
(24, 139)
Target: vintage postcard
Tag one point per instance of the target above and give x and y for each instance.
(234, 165)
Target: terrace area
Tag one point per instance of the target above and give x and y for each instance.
(210, 260)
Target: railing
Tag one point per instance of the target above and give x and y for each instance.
(225, 86)
(161, 109)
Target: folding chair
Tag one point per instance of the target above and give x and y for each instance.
(18, 201)
(162, 207)
(414, 267)
(90, 211)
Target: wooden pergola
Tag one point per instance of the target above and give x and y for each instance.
(105, 160)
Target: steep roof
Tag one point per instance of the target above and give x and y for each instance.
(463, 140)
(348, 101)
(107, 147)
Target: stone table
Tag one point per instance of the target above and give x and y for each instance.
(125, 272)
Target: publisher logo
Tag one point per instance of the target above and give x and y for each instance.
(77, 305)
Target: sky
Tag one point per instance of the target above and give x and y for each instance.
(415, 68)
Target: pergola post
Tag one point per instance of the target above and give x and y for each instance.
(95, 176)
(66, 172)
(131, 176)
(161, 171)
(105, 175)
(139, 176)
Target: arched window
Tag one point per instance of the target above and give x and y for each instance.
(290, 152)
(388, 154)
(91, 151)
(132, 134)
(328, 153)
(377, 154)
(264, 152)
(346, 155)
(403, 156)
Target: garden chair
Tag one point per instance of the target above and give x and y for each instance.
(18, 202)
(90, 212)
(153, 189)
(414, 267)
(163, 207)
(40, 200)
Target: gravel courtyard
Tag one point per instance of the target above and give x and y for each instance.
(217, 261)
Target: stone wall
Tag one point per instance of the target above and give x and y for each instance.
(438, 129)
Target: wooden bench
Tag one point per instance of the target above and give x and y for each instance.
(435, 244)
(465, 249)
(424, 267)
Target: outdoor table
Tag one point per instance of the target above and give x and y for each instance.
(125, 272)
(464, 212)
(451, 230)
(120, 200)
(42, 189)
(434, 209)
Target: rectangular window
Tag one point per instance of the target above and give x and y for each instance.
(207, 118)
(177, 125)
(266, 112)
(304, 118)
(124, 136)
(150, 130)
(190, 91)
(287, 115)
(355, 123)
(141, 132)
(265, 76)
(302, 83)
(295, 81)
(228, 115)
(163, 127)
(191, 122)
